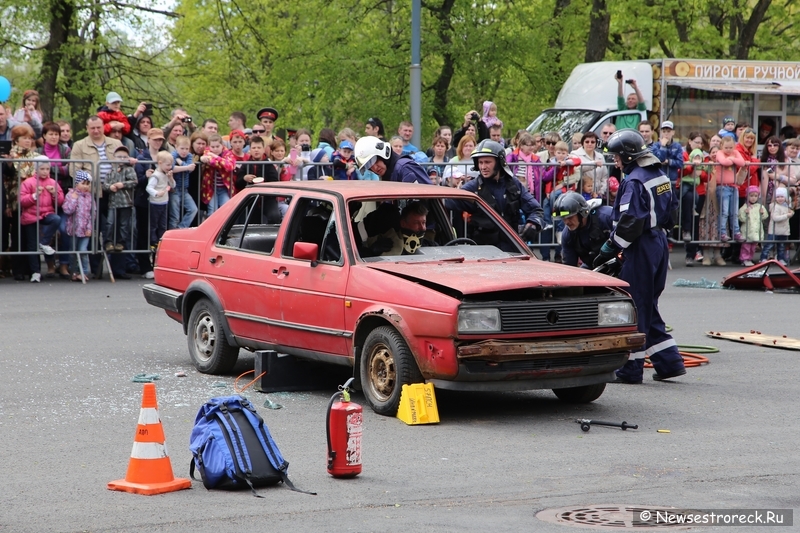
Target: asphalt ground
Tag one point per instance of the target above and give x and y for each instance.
(68, 413)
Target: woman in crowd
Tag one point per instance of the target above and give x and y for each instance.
(327, 141)
(440, 147)
(708, 232)
(396, 142)
(53, 149)
(22, 147)
(577, 141)
(172, 135)
(592, 162)
(747, 149)
(464, 155)
(774, 171)
(139, 133)
(198, 142)
(693, 193)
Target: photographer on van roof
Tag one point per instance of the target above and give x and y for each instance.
(635, 100)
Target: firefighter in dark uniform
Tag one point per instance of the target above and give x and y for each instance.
(498, 187)
(586, 228)
(643, 215)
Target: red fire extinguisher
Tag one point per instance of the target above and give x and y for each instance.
(344, 434)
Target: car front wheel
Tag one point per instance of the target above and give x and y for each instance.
(208, 345)
(386, 365)
(585, 394)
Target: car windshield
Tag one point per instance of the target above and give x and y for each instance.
(443, 228)
(565, 121)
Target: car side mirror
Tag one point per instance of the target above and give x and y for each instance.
(306, 250)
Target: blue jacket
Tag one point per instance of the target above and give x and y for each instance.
(585, 242)
(645, 202)
(405, 169)
(671, 157)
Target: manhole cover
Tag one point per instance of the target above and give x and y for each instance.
(638, 517)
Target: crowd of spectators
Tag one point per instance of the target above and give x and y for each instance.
(130, 180)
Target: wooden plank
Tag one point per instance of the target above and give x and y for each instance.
(756, 337)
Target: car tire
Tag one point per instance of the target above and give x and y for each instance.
(585, 394)
(208, 344)
(386, 365)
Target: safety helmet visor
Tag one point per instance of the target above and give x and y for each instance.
(366, 165)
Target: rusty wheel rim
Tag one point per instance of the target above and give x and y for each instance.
(382, 372)
(205, 337)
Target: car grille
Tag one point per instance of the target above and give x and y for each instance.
(533, 365)
(554, 315)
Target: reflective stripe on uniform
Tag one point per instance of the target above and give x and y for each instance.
(660, 346)
(637, 355)
(649, 185)
(622, 243)
(148, 450)
(148, 415)
(624, 207)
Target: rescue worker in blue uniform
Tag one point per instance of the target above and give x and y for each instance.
(587, 227)
(643, 215)
(377, 155)
(498, 187)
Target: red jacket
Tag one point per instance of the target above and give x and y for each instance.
(224, 163)
(753, 179)
(108, 116)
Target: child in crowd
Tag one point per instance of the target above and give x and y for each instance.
(319, 172)
(119, 188)
(254, 167)
(238, 140)
(217, 182)
(80, 208)
(562, 172)
(112, 116)
(728, 128)
(39, 196)
(587, 187)
(729, 160)
(278, 153)
(344, 164)
(159, 184)
(778, 226)
(490, 115)
(182, 208)
(751, 215)
(31, 106)
(613, 188)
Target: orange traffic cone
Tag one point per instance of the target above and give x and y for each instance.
(149, 470)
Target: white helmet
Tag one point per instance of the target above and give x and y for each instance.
(368, 149)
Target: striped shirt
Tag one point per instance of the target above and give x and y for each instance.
(104, 169)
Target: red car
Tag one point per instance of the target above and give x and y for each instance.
(403, 282)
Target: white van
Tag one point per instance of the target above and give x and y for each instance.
(695, 94)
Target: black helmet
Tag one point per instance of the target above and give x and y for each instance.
(568, 204)
(488, 147)
(628, 144)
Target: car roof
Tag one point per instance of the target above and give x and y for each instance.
(362, 188)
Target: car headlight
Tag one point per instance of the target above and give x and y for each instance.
(615, 314)
(478, 320)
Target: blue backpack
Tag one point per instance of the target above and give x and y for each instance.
(233, 449)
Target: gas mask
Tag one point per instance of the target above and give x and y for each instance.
(411, 240)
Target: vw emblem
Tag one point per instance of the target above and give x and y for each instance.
(552, 317)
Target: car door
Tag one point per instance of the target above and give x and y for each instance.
(312, 292)
(244, 257)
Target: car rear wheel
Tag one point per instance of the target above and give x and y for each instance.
(208, 345)
(585, 394)
(386, 365)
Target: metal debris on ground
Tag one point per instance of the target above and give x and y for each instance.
(180, 374)
(703, 283)
(219, 384)
(269, 404)
(145, 378)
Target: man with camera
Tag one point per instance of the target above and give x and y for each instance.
(178, 116)
(635, 100)
(473, 119)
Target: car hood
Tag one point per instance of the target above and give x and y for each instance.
(474, 277)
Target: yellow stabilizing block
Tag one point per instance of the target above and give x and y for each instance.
(418, 404)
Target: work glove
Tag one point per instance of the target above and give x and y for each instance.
(608, 251)
(530, 232)
(379, 247)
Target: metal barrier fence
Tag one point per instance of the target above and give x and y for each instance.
(121, 237)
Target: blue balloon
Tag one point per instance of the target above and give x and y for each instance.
(5, 89)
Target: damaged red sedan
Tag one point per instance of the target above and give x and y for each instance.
(405, 283)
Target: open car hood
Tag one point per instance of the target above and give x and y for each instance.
(475, 277)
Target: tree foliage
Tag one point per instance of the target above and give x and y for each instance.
(336, 62)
